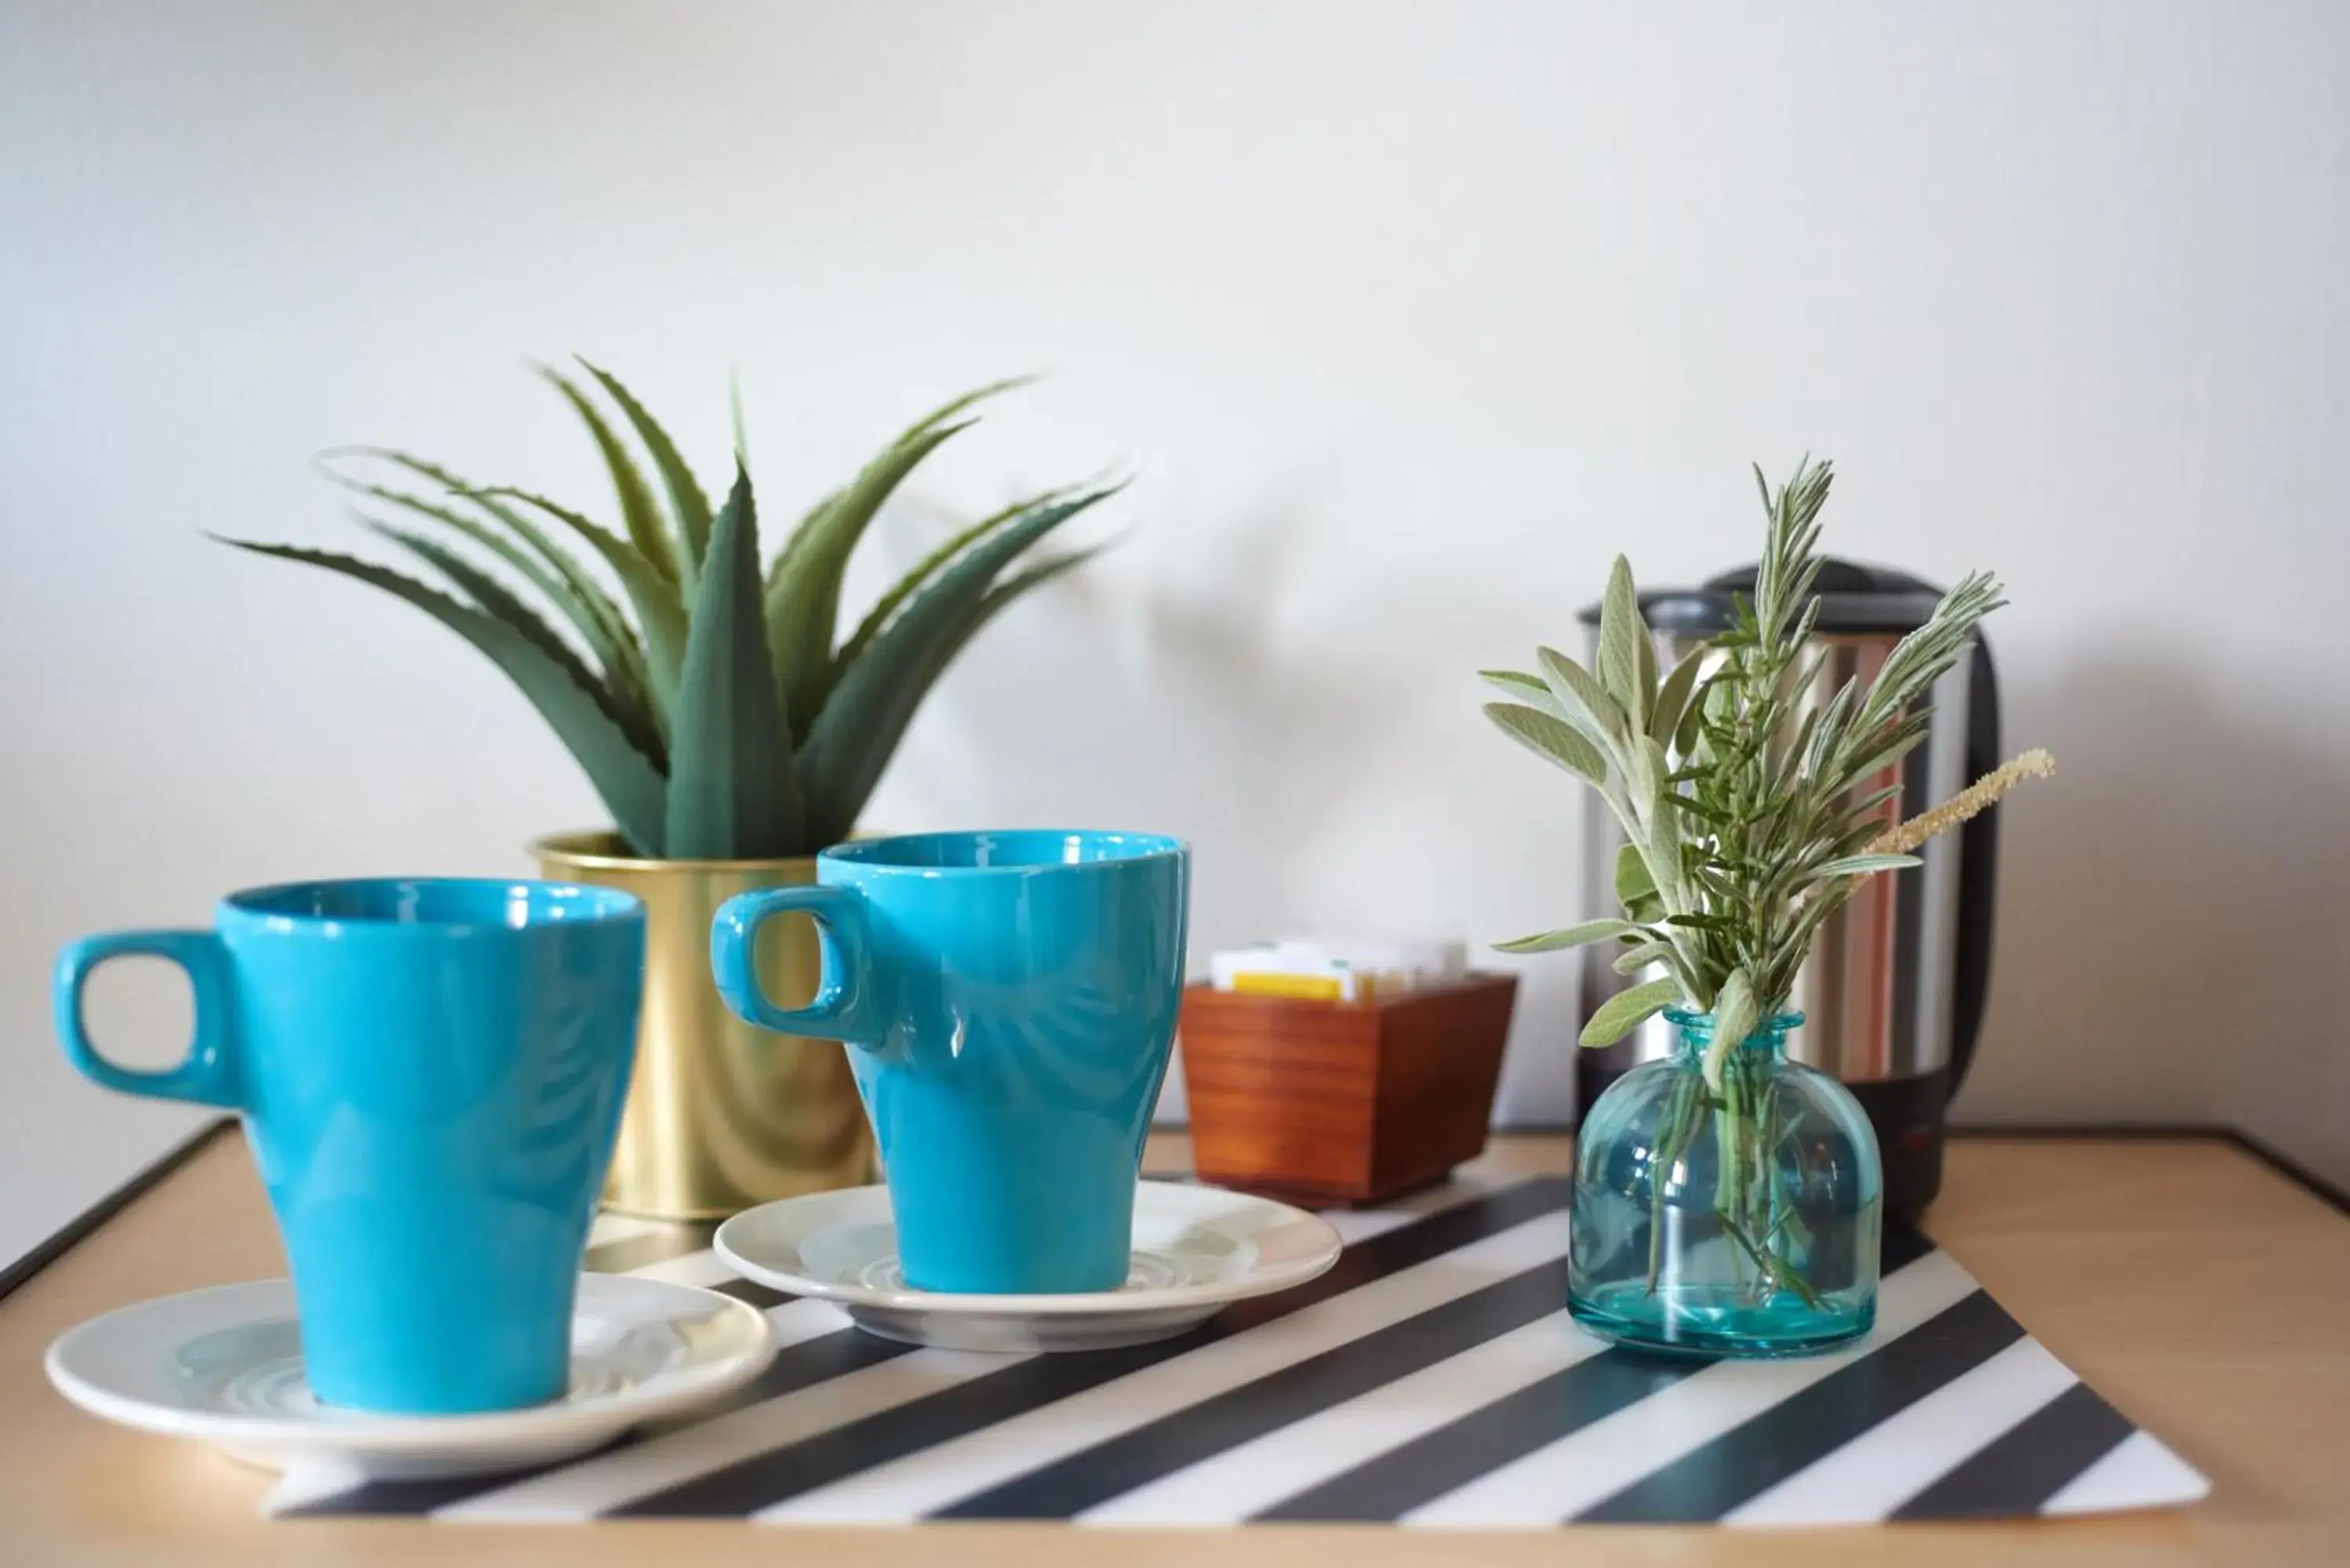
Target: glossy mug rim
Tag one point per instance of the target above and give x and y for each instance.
(870, 854)
(549, 905)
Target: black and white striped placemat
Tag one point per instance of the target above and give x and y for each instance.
(1432, 1378)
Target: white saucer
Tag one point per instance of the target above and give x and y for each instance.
(1196, 1249)
(225, 1366)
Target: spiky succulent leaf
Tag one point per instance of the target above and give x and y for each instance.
(734, 792)
(1032, 578)
(803, 607)
(660, 615)
(687, 504)
(592, 614)
(624, 708)
(860, 724)
(647, 531)
(970, 400)
(627, 780)
(578, 584)
(924, 570)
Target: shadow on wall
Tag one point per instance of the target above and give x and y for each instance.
(2174, 917)
(1252, 731)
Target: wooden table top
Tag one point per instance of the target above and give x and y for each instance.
(2198, 1289)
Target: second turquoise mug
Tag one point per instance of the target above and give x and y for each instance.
(431, 1074)
(1009, 1000)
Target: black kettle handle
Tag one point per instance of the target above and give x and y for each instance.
(1978, 870)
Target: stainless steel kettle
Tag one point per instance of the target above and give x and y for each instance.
(1894, 989)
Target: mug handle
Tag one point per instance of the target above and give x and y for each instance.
(838, 1010)
(207, 1075)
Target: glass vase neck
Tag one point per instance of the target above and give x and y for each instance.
(1696, 1033)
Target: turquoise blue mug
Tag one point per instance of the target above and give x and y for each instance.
(1009, 1000)
(430, 1074)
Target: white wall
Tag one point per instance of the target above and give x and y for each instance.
(1407, 316)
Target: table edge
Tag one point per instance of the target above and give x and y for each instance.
(37, 1259)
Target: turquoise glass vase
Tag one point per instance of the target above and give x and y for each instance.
(1733, 1221)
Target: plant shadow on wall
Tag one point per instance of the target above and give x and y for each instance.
(1196, 711)
(2172, 929)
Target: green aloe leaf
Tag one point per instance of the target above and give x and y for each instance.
(629, 784)
(647, 531)
(1570, 937)
(972, 398)
(660, 616)
(1551, 738)
(611, 628)
(803, 607)
(1022, 582)
(592, 614)
(858, 728)
(1624, 1011)
(687, 504)
(925, 569)
(733, 792)
(502, 604)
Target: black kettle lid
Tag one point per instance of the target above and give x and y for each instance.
(1853, 598)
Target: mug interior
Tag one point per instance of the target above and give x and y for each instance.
(1017, 849)
(438, 902)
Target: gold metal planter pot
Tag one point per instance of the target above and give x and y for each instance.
(720, 1115)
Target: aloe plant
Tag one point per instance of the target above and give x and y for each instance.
(719, 715)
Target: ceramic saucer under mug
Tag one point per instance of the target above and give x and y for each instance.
(1196, 1249)
(225, 1366)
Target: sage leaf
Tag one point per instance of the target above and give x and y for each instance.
(1646, 648)
(1633, 960)
(1584, 700)
(1620, 631)
(1634, 884)
(1526, 688)
(1550, 738)
(1570, 937)
(1733, 1020)
(1624, 1011)
(1673, 695)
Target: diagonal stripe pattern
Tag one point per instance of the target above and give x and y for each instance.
(1432, 1378)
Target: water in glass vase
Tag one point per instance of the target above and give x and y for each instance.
(1738, 1221)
